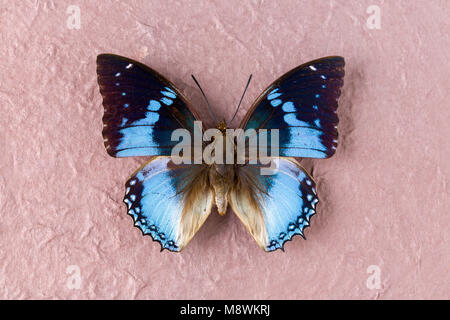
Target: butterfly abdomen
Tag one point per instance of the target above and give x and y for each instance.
(221, 178)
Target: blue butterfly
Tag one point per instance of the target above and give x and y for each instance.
(169, 201)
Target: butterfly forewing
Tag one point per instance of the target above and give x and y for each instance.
(142, 108)
(302, 104)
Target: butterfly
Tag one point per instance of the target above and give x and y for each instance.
(170, 201)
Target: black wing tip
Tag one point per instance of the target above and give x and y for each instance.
(338, 60)
(102, 56)
(330, 58)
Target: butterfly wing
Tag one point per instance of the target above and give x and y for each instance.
(302, 104)
(142, 108)
(169, 202)
(275, 207)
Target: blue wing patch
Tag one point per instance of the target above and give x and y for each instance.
(289, 203)
(286, 200)
(142, 108)
(302, 104)
(158, 197)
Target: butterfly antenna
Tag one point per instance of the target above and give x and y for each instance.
(206, 99)
(245, 90)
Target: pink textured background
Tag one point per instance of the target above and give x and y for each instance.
(384, 195)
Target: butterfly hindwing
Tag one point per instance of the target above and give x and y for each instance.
(142, 108)
(302, 104)
(169, 202)
(275, 207)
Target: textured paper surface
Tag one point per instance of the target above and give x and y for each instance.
(384, 195)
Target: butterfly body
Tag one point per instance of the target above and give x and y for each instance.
(170, 201)
(222, 178)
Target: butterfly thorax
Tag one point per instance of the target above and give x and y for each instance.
(222, 126)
